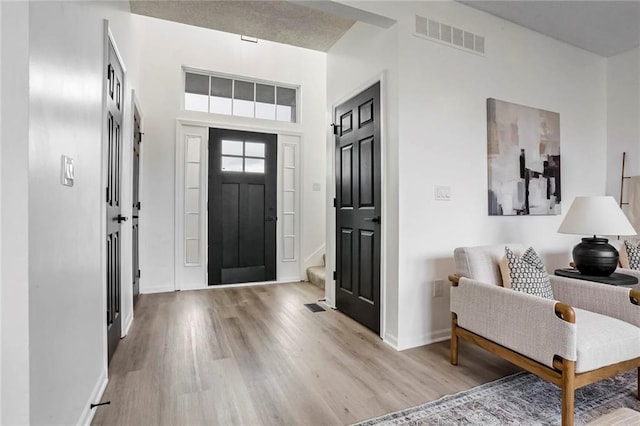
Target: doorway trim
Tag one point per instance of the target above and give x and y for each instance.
(330, 288)
(135, 108)
(199, 279)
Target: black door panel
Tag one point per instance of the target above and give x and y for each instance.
(114, 95)
(358, 204)
(242, 206)
(135, 210)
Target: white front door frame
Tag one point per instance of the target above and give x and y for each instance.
(199, 280)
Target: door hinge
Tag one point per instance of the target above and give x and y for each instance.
(336, 128)
(139, 273)
(140, 141)
(335, 202)
(106, 192)
(335, 275)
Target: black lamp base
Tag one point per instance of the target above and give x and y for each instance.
(595, 256)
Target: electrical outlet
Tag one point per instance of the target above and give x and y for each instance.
(438, 288)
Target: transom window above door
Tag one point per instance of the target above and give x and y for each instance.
(217, 94)
(242, 156)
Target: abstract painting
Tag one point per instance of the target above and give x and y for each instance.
(523, 147)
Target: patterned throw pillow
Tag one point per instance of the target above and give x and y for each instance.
(633, 255)
(526, 273)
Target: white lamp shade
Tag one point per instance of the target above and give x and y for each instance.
(596, 216)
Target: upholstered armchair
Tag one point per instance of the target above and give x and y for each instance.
(586, 333)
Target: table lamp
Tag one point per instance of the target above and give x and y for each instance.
(599, 215)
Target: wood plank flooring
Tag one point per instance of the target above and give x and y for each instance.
(257, 356)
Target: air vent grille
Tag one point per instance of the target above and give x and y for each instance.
(447, 34)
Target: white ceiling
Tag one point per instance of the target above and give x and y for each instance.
(305, 23)
(602, 27)
(279, 21)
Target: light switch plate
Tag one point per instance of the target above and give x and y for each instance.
(442, 193)
(68, 171)
(316, 186)
(438, 288)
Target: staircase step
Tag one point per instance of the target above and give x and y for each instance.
(316, 275)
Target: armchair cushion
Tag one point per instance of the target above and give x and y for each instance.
(526, 273)
(603, 340)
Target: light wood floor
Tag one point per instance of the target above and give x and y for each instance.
(256, 355)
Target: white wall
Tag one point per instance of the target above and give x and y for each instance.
(165, 47)
(66, 224)
(623, 118)
(442, 141)
(14, 167)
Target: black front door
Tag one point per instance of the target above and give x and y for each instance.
(242, 206)
(114, 95)
(135, 210)
(358, 202)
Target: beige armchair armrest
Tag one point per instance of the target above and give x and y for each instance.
(613, 301)
(521, 322)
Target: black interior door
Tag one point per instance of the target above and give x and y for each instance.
(358, 202)
(135, 216)
(114, 95)
(242, 206)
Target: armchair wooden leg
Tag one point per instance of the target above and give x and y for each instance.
(454, 339)
(638, 389)
(568, 391)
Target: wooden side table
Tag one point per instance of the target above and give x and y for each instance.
(616, 278)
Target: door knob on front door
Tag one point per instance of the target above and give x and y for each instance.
(120, 218)
(375, 219)
(272, 219)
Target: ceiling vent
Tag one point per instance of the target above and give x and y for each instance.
(449, 35)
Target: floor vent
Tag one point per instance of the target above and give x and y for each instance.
(314, 307)
(449, 35)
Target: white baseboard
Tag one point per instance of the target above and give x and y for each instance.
(152, 290)
(391, 340)
(425, 339)
(330, 302)
(96, 395)
(192, 286)
(291, 279)
(127, 324)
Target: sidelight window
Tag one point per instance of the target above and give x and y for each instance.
(217, 94)
(242, 156)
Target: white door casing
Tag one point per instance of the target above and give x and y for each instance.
(191, 195)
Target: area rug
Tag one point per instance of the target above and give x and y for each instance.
(519, 399)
